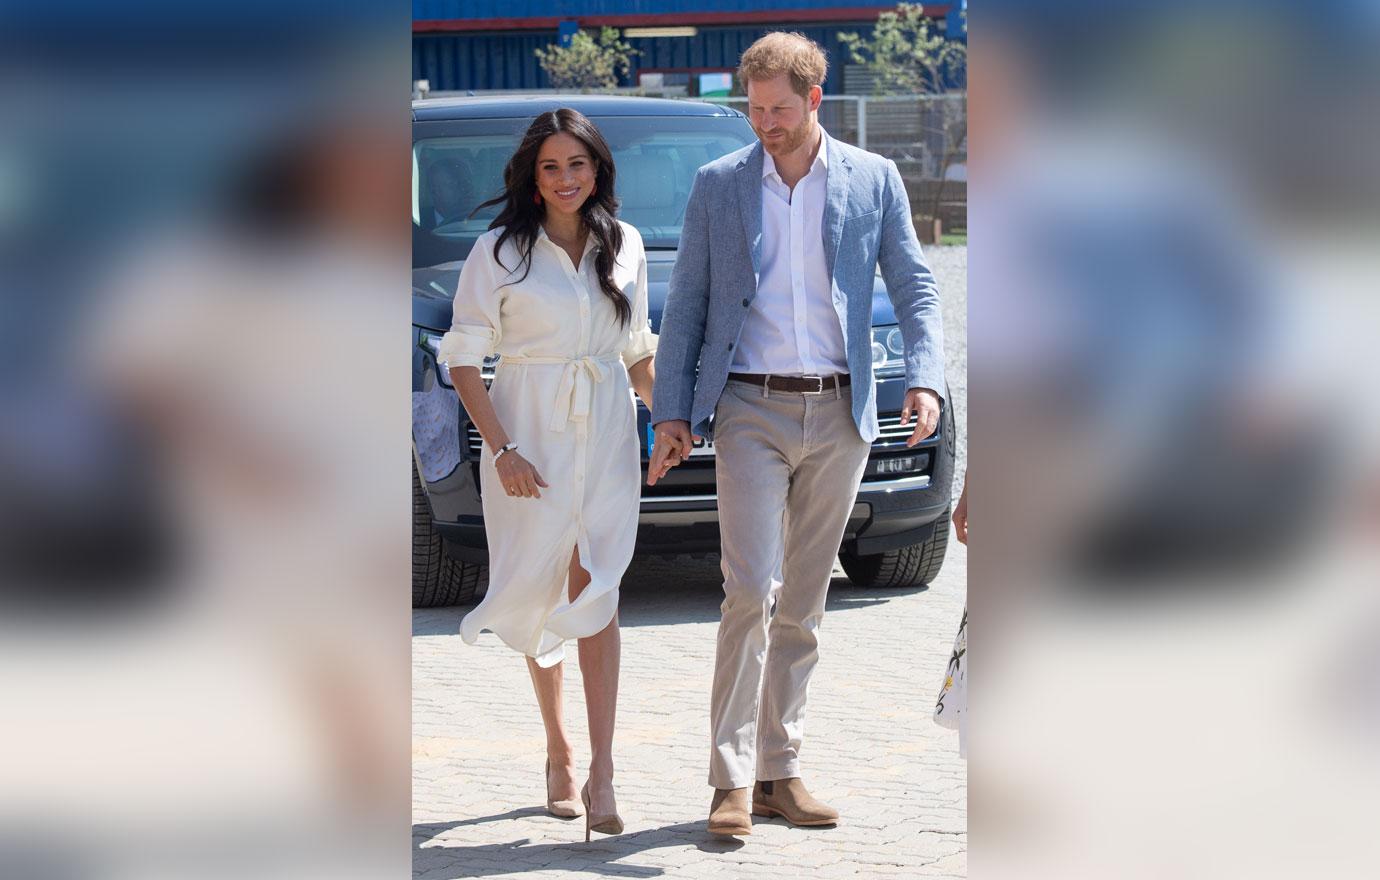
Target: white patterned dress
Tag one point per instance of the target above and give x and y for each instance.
(951, 709)
(562, 393)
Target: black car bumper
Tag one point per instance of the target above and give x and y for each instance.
(886, 515)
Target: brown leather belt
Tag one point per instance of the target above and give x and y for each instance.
(801, 384)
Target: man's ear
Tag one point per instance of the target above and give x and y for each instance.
(816, 97)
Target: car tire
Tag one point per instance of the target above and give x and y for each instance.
(438, 579)
(909, 566)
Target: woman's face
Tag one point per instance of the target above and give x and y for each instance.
(565, 173)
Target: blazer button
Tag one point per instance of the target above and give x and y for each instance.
(730, 346)
(746, 301)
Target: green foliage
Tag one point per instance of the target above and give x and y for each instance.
(908, 53)
(587, 63)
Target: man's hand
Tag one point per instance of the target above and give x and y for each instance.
(924, 405)
(671, 446)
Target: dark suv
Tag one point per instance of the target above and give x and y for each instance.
(898, 532)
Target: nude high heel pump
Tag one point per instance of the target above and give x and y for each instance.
(610, 824)
(567, 809)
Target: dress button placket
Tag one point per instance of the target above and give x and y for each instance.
(578, 281)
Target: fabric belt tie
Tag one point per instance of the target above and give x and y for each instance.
(575, 392)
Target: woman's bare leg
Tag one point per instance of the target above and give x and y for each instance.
(599, 658)
(547, 684)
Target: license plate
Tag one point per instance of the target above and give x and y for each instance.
(703, 447)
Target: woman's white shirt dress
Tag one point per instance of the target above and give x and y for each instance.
(561, 391)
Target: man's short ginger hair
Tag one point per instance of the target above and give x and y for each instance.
(794, 55)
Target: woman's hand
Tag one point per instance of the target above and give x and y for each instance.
(520, 479)
(961, 516)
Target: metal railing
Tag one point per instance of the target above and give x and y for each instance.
(926, 135)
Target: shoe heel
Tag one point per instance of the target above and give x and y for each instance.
(584, 798)
(611, 824)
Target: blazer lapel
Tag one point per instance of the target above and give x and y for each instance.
(750, 203)
(835, 203)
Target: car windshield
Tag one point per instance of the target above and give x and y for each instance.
(462, 165)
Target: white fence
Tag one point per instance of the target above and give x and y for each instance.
(926, 135)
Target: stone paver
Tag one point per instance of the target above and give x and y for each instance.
(870, 746)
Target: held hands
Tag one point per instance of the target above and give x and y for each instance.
(520, 479)
(924, 405)
(671, 446)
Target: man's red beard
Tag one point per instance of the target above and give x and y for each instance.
(792, 140)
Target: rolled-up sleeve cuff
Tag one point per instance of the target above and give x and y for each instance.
(466, 346)
(663, 412)
(927, 379)
(643, 346)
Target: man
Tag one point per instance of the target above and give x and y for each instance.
(769, 330)
(450, 196)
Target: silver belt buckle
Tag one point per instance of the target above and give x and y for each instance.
(820, 380)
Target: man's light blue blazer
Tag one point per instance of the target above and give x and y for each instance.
(867, 225)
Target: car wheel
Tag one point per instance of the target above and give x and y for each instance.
(903, 567)
(438, 579)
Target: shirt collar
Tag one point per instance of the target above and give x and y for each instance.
(591, 241)
(821, 157)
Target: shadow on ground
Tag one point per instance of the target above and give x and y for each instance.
(602, 855)
(659, 592)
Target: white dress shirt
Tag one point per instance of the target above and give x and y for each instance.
(791, 327)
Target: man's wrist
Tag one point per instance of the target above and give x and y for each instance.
(656, 425)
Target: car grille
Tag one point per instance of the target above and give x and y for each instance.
(892, 433)
(474, 441)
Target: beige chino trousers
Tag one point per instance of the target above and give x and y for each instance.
(787, 467)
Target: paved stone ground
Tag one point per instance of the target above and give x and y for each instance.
(870, 746)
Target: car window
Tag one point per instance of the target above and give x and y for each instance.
(655, 159)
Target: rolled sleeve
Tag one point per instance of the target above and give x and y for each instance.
(467, 345)
(476, 329)
(643, 346)
(642, 341)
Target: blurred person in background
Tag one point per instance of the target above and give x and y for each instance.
(951, 709)
(255, 703)
(1157, 435)
(559, 471)
(1122, 292)
(449, 194)
(245, 462)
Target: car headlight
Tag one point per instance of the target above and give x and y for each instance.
(432, 343)
(887, 351)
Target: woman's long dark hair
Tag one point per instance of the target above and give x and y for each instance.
(521, 216)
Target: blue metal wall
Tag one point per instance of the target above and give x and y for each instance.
(425, 10)
(456, 62)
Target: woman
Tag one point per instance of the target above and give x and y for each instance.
(951, 710)
(558, 288)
